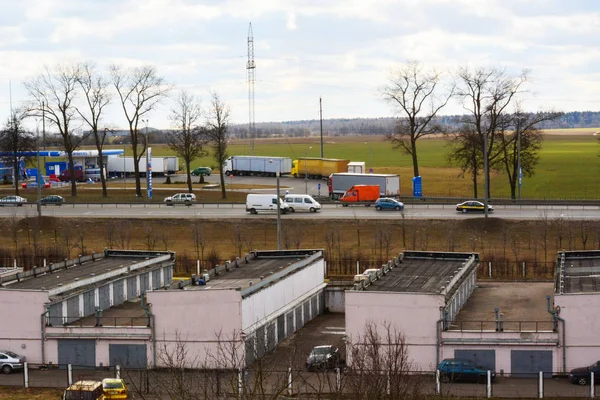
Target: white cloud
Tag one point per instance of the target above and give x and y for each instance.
(291, 21)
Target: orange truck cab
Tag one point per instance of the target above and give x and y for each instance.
(367, 194)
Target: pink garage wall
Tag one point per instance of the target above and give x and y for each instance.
(412, 314)
(20, 330)
(581, 313)
(195, 319)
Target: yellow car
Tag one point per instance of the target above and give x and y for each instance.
(473, 205)
(114, 389)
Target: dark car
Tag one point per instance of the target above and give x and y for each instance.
(206, 171)
(322, 358)
(457, 370)
(385, 203)
(473, 205)
(52, 200)
(581, 376)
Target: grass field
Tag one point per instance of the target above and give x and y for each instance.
(569, 165)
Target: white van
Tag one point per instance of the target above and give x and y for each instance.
(302, 202)
(256, 203)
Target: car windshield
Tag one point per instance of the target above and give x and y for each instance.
(321, 350)
(113, 385)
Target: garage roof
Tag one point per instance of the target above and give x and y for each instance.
(577, 272)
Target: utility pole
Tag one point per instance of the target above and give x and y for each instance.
(485, 173)
(250, 70)
(321, 120)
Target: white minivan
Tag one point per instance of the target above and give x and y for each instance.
(256, 203)
(302, 202)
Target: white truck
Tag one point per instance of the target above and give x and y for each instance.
(257, 165)
(389, 184)
(256, 203)
(160, 165)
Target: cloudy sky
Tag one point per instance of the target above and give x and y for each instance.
(341, 51)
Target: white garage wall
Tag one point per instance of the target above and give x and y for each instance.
(267, 301)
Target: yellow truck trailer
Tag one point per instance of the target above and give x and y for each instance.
(318, 168)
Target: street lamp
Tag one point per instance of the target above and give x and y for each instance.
(278, 206)
(39, 172)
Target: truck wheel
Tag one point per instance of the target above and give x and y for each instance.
(344, 205)
(367, 205)
(292, 209)
(378, 208)
(252, 211)
(295, 175)
(227, 173)
(312, 209)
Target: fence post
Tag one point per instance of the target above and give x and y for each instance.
(437, 382)
(592, 383)
(198, 267)
(388, 386)
(118, 371)
(338, 380)
(489, 384)
(70, 374)
(240, 384)
(490, 269)
(541, 385)
(26, 375)
(523, 269)
(290, 389)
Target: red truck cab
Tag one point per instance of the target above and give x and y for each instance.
(366, 194)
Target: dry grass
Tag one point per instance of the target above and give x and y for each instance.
(14, 393)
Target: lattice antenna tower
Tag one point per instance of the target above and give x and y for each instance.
(250, 69)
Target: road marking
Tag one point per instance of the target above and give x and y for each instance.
(333, 333)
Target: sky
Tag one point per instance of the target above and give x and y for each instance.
(340, 51)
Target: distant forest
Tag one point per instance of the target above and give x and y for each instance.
(383, 126)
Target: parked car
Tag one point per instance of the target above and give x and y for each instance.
(581, 376)
(457, 370)
(365, 275)
(473, 205)
(65, 176)
(53, 199)
(114, 389)
(181, 198)
(385, 203)
(206, 171)
(12, 201)
(323, 357)
(10, 361)
(84, 390)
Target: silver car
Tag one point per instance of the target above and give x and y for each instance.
(12, 201)
(10, 361)
(181, 198)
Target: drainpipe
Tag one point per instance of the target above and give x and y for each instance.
(43, 323)
(564, 334)
(438, 336)
(151, 323)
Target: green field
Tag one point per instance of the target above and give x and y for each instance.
(569, 166)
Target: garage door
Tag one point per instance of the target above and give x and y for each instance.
(104, 297)
(280, 328)
(250, 350)
(156, 279)
(144, 282)
(79, 353)
(528, 363)
(55, 314)
(299, 320)
(132, 356)
(118, 292)
(131, 288)
(289, 317)
(89, 302)
(73, 309)
(483, 358)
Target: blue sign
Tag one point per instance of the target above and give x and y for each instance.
(417, 182)
(319, 186)
(520, 176)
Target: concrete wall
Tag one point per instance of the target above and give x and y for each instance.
(20, 330)
(201, 320)
(580, 312)
(270, 301)
(412, 314)
(335, 299)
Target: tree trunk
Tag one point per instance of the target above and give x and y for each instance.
(223, 192)
(136, 169)
(72, 171)
(16, 174)
(413, 145)
(189, 175)
(102, 175)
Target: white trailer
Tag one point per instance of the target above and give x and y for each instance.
(160, 165)
(257, 165)
(389, 184)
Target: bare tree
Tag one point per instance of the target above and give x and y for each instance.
(466, 154)
(486, 94)
(140, 90)
(188, 140)
(14, 138)
(200, 239)
(53, 94)
(414, 93)
(95, 89)
(216, 130)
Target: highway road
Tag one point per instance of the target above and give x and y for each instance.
(330, 211)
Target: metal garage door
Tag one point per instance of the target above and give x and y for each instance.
(289, 323)
(280, 328)
(483, 358)
(89, 302)
(306, 306)
(168, 275)
(132, 356)
(299, 320)
(144, 282)
(321, 303)
(314, 304)
(104, 297)
(79, 353)
(55, 314)
(528, 363)
(156, 279)
(250, 353)
(72, 309)
(131, 288)
(271, 336)
(119, 292)
(260, 342)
